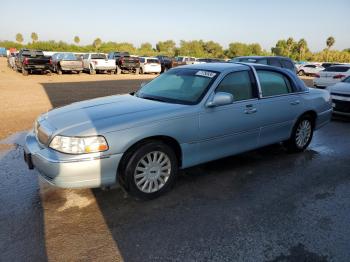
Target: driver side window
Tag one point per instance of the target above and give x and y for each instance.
(238, 84)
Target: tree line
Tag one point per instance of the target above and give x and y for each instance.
(296, 50)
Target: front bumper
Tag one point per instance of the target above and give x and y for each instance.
(71, 171)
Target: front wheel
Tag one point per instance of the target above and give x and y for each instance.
(150, 171)
(301, 135)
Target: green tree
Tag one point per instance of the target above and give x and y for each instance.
(330, 42)
(97, 43)
(146, 49)
(290, 44)
(19, 38)
(255, 49)
(77, 40)
(167, 47)
(302, 48)
(34, 36)
(192, 48)
(213, 49)
(237, 49)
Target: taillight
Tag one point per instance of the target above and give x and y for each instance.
(50, 61)
(317, 75)
(338, 76)
(25, 61)
(122, 60)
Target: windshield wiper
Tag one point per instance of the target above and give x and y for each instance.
(152, 98)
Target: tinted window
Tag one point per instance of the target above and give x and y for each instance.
(337, 69)
(153, 61)
(287, 64)
(98, 56)
(238, 84)
(273, 83)
(274, 62)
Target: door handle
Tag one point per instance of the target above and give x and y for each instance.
(294, 103)
(250, 111)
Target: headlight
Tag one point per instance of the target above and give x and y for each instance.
(79, 145)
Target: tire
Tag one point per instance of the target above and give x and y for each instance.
(118, 71)
(24, 72)
(301, 73)
(137, 71)
(301, 135)
(92, 71)
(143, 177)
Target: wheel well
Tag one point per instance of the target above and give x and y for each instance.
(173, 143)
(312, 114)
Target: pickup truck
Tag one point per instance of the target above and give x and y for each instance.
(165, 62)
(125, 63)
(66, 62)
(29, 61)
(98, 62)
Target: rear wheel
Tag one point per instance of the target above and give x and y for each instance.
(118, 71)
(59, 70)
(150, 171)
(92, 71)
(301, 135)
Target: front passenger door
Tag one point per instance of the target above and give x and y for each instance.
(233, 128)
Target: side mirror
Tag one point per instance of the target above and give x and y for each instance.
(220, 99)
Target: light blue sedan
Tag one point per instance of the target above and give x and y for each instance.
(185, 117)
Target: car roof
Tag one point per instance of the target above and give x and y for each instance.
(219, 67)
(258, 57)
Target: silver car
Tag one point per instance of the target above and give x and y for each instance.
(340, 94)
(185, 117)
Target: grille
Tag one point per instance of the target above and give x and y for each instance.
(342, 106)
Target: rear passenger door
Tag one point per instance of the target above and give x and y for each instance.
(279, 106)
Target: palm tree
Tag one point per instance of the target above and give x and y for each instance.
(34, 37)
(290, 43)
(19, 38)
(302, 45)
(97, 43)
(77, 39)
(330, 42)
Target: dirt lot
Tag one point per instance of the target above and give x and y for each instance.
(23, 98)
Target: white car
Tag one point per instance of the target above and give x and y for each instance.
(331, 75)
(340, 94)
(98, 62)
(309, 69)
(150, 65)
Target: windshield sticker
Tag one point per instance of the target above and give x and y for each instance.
(206, 74)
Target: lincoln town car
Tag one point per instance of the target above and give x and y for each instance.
(187, 116)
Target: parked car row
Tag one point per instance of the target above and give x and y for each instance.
(28, 61)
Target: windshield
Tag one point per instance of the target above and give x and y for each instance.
(183, 86)
(98, 56)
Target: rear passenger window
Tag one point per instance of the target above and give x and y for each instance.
(274, 62)
(238, 84)
(273, 83)
(287, 64)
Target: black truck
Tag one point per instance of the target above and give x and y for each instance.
(29, 61)
(125, 63)
(166, 62)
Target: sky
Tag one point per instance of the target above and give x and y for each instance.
(138, 21)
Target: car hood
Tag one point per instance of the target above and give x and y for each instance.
(107, 114)
(340, 88)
